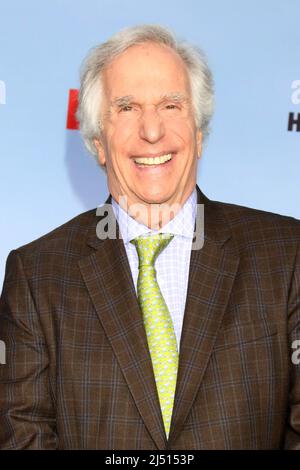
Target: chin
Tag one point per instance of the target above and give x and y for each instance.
(155, 197)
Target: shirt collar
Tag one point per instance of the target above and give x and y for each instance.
(182, 224)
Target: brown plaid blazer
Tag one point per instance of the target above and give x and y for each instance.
(78, 373)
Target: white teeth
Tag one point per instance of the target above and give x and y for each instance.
(154, 160)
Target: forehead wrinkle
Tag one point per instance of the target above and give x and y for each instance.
(128, 99)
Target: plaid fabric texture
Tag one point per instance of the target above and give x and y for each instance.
(78, 373)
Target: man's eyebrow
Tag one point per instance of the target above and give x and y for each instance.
(122, 100)
(177, 97)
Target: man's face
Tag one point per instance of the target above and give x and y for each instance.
(147, 113)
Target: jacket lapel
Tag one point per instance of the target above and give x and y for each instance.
(211, 276)
(107, 275)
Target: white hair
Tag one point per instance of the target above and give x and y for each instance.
(90, 93)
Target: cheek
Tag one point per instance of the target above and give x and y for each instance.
(119, 141)
(183, 130)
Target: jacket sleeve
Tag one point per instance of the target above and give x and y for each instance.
(27, 414)
(292, 435)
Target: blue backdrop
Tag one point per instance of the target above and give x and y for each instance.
(251, 158)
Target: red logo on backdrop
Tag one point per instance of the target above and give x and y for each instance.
(72, 123)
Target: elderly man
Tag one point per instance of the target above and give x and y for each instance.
(144, 340)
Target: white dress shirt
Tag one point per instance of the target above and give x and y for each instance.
(173, 263)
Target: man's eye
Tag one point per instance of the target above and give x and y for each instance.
(171, 106)
(126, 108)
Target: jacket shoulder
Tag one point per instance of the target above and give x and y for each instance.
(255, 225)
(69, 237)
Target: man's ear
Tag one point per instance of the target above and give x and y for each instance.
(100, 152)
(199, 143)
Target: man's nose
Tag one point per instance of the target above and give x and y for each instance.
(151, 126)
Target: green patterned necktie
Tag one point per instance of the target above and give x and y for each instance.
(158, 323)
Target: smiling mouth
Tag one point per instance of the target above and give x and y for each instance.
(149, 161)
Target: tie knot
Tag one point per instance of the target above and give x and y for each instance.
(149, 247)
